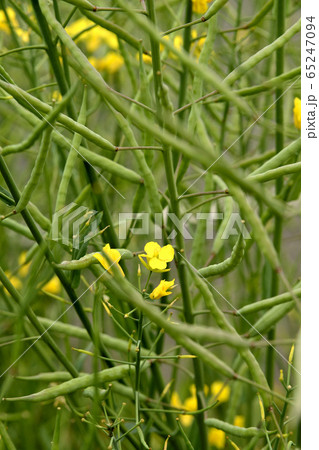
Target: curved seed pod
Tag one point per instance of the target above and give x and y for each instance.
(236, 392)
(276, 173)
(280, 158)
(213, 9)
(259, 233)
(72, 156)
(17, 227)
(229, 264)
(233, 430)
(228, 209)
(270, 318)
(104, 376)
(262, 54)
(33, 104)
(36, 171)
(88, 260)
(47, 121)
(268, 302)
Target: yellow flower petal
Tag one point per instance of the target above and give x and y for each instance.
(239, 421)
(166, 253)
(217, 438)
(53, 286)
(297, 113)
(157, 264)
(152, 249)
(220, 391)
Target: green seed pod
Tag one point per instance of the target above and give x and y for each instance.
(229, 264)
(36, 171)
(280, 158)
(213, 9)
(104, 376)
(71, 159)
(233, 430)
(270, 318)
(276, 173)
(268, 303)
(228, 210)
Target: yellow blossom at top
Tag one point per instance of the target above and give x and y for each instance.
(200, 6)
(157, 257)
(297, 113)
(162, 289)
(220, 391)
(239, 421)
(217, 438)
(53, 286)
(93, 37)
(24, 269)
(113, 255)
(110, 63)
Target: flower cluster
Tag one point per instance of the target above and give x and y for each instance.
(96, 39)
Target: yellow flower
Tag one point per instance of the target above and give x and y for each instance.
(157, 257)
(56, 96)
(111, 63)
(239, 421)
(297, 113)
(24, 269)
(162, 289)
(53, 286)
(200, 6)
(178, 42)
(113, 254)
(220, 391)
(217, 438)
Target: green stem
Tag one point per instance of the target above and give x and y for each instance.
(280, 28)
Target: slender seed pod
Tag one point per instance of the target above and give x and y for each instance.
(268, 302)
(270, 318)
(262, 54)
(259, 233)
(36, 171)
(229, 264)
(213, 9)
(33, 104)
(89, 259)
(276, 173)
(227, 211)
(67, 387)
(72, 156)
(234, 430)
(17, 227)
(280, 158)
